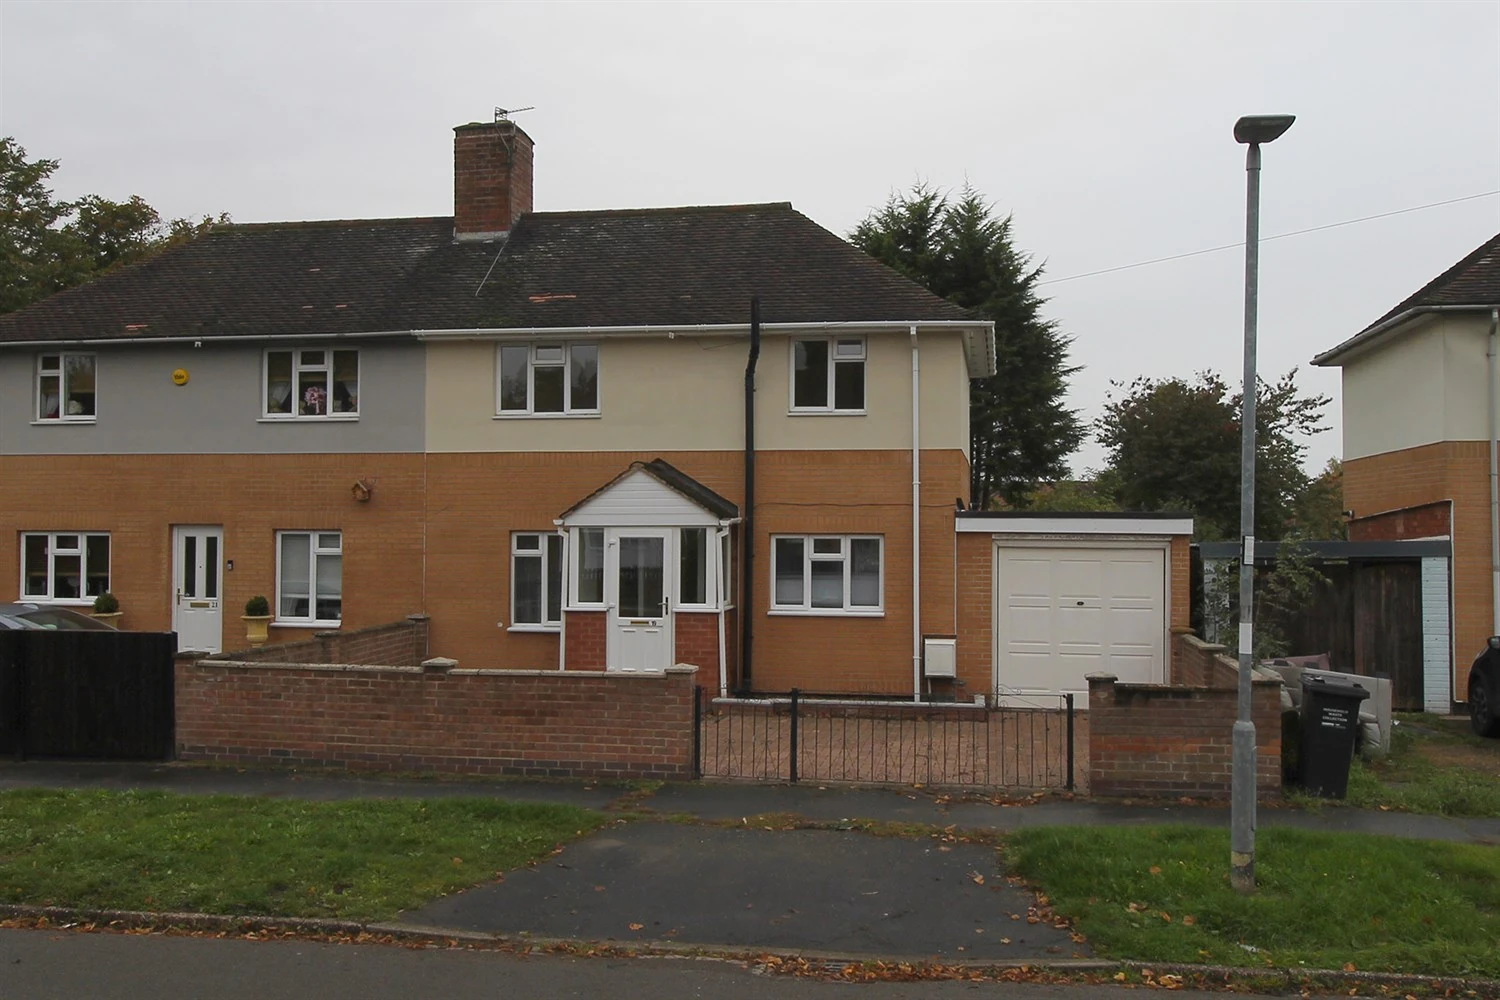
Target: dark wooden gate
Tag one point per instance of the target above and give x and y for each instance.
(99, 695)
(1388, 628)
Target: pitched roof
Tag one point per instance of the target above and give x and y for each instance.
(557, 269)
(1473, 281)
(674, 479)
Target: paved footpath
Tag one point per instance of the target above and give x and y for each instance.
(49, 965)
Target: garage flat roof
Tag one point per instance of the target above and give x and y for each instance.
(1113, 522)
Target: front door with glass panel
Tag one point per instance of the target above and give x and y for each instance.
(198, 583)
(637, 572)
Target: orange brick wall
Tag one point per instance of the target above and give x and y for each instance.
(399, 644)
(586, 638)
(468, 573)
(1432, 474)
(435, 538)
(138, 499)
(546, 724)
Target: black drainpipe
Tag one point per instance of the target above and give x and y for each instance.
(747, 524)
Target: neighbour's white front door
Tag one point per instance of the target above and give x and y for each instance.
(637, 571)
(197, 586)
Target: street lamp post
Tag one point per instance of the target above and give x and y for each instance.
(1254, 131)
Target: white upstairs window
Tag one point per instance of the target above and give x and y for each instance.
(311, 385)
(547, 380)
(828, 375)
(65, 387)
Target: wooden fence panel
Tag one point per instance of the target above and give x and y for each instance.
(99, 695)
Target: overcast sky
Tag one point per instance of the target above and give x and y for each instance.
(1104, 128)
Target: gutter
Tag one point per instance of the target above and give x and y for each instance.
(210, 338)
(1361, 340)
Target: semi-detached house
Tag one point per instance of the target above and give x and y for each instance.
(532, 427)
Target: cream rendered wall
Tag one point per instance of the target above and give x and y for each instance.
(1392, 395)
(686, 394)
(1465, 404)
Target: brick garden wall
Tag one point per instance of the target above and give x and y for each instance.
(1171, 740)
(435, 718)
(399, 644)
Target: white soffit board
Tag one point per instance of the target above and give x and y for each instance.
(1075, 525)
(640, 500)
(1064, 612)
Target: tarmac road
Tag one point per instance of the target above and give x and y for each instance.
(40, 965)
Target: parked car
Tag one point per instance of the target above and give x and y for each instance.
(34, 616)
(1484, 690)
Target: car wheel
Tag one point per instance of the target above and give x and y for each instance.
(1481, 712)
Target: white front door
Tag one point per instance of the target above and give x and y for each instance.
(638, 578)
(1063, 613)
(197, 586)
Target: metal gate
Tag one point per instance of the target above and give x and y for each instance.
(828, 738)
(99, 695)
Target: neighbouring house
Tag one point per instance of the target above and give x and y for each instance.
(1419, 390)
(531, 427)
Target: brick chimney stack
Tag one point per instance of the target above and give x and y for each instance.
(491, 178)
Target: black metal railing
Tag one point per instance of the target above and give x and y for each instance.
(1005, 743)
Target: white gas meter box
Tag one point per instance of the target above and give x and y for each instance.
(939, 657)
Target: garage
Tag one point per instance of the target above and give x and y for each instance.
(1072, 596)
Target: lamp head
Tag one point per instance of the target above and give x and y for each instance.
(1260, 129)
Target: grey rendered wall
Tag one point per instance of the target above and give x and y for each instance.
(140, 410)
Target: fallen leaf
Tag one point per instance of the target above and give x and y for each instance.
(1349, 967)
(1155, 869)
(636, 927)
(976, 878)
(1119, 977)
(1190, 920)
(1166, 917)
(1005, 940)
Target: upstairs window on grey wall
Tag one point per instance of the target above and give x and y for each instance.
(312, 384)
(310, 577)
(828, 375)
(536, 564)
(548, 380)
(65, 387)
(64, 566)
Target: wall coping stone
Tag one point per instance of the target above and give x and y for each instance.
(439, 665)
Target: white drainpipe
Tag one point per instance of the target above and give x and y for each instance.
(1494, 482)
(916, 520)
(723, 574)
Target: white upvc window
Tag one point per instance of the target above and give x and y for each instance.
(588, 568)
(828, 375)
(309, 577)
(65, 387)
(547, 380)
(827, 574)
(536, 565)
(64, 567)
(311, 384)
(695, 568)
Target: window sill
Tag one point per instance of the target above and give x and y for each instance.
(66, 422)
(332, 418)
(58, 602)
(545, 629)
(827, 413)
(588, 415)
(695, 609)
(826, 613)
(278, 623)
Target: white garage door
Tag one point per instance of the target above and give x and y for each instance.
(1063, 613)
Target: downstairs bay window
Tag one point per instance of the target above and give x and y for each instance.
(827, 574)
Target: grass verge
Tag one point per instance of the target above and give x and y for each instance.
(1324, 900)
(363, 859)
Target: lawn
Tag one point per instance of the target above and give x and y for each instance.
(359, 860)
(1436, 766)
(1162, 894)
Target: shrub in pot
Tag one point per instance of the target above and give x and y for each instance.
(257, 619)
